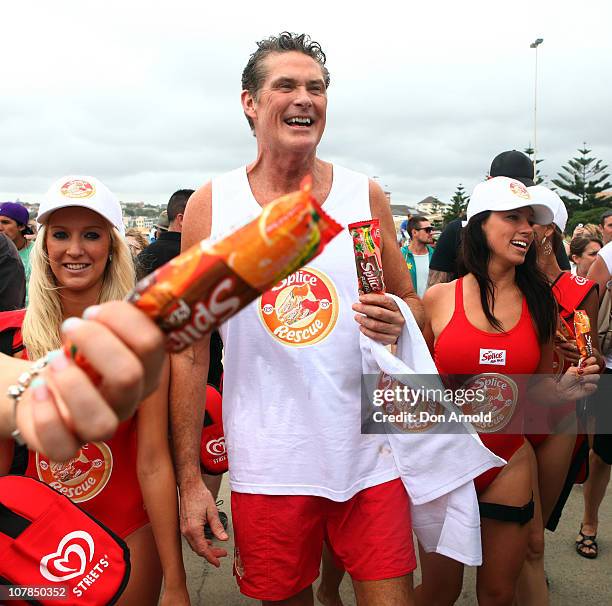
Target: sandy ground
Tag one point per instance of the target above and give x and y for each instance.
(573, 580)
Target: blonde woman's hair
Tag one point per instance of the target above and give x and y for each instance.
(44, 316)
(592, 230)
(134, 233)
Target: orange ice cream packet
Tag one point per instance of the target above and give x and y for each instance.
(207, 284)
(582, 328)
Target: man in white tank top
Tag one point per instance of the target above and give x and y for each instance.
(301, 473)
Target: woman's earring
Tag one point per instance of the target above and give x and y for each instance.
(546, 246)
(110, 257)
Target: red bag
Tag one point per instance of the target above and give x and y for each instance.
(11, 342)
(48, 542)
(213, 456)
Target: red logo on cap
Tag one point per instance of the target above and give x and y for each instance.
(518, 189)
(77, 188)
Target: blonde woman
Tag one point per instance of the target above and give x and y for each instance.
(136, 241)
(127, 482)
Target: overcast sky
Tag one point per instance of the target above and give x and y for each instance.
(145, 95)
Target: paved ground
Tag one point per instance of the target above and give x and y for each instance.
(573, 580)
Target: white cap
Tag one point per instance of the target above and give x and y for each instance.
(554, 201)
(86, 192)
(503, 193)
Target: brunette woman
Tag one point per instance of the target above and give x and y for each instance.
(583, 252)
(499, 318)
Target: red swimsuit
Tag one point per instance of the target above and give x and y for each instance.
(101, 479)
(463, 349)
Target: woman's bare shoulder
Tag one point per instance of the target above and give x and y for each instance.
(439, 292)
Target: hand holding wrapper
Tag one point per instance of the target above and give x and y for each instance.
(204, 286)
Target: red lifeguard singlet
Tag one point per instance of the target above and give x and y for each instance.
(463, 349)
(101, 479)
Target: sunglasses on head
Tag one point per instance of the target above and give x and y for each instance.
(427, 229)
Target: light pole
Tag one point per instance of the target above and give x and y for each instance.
(535, 45)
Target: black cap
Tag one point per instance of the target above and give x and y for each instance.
(513, 164)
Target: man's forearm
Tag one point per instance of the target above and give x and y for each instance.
(187, 405)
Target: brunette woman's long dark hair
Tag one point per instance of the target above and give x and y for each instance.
(474, 255)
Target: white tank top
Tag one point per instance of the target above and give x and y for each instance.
(292, 365)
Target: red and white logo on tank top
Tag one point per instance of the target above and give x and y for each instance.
(495, 357)
(409, 412)
(499, 402)
(82, 477)
(301, 310)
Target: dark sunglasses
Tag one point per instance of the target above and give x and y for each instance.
(427, 229)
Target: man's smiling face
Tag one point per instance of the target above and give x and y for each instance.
(289, 109)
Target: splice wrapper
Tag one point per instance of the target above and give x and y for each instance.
(366, 246)
(582, 327)
(207, 284)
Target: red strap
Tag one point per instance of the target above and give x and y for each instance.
(569, 291)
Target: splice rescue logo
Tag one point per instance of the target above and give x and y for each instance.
(77, 188)
(74, 558)
(82, 477)
(411, 417)
(501, 397)
(301, 310)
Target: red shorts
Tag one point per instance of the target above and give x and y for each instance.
(279, 539)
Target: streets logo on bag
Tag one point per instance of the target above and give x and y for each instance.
(579, 280)
(301, 310)
(216, 448)
(82, 477)
(74, 552)
(73, 558)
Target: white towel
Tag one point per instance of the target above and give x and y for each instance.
(437, 468)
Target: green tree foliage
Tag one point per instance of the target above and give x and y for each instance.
(584, 177)
(458, 205)
(593, 215)
(539, 178)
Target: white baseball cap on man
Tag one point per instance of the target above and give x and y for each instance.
(557, 205)
(503, 193)
(85, 192)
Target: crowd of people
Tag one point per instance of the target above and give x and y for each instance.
(311, 494)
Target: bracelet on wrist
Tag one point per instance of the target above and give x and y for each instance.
(16, 391)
